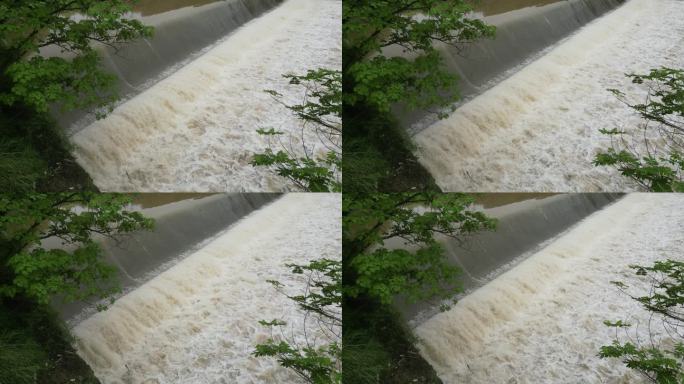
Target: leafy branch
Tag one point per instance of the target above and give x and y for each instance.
(653, 155)
(310, 168)
(418, 79)
(660, 360)
(75, 270)
(420, 271)
(320, 302)
(74, 79)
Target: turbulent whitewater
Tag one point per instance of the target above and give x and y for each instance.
(538, 130)
(196, 129)
(197, 321)
(542, 321)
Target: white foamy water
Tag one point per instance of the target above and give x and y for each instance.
(196, 323)
(542, 321)
(196, 130)
(538, 130)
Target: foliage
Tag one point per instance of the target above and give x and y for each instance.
(653, 156)
(377, 75)
(21, 167)
(420, 271)
(321, 300)
(391, 249)
(364, 166)
(379, 155)
(365, 358)
(659, 360)
(49, 57)
(320, 113)
(35, 347)
(32, 270)
(73, 79)
(35, 153)
(378, 80)
(21, 358)
(380, 348)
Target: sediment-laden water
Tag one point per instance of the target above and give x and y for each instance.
(180, 228)
(538, 130)
(523, 228)
(196, 129)
(542, 321)
(197, 321)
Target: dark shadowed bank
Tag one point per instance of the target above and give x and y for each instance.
(35, 347)
(36, 156)
(379, 158)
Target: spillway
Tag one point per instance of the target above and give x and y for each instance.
(524, 29)
(523, 227)
(196, 322)
(195, 130)
(538, 128)
(542, 320)
(183, 30)
(180, 228)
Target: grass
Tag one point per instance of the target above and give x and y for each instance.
(21, 166)
(379, 155)
(21, 357)
(35, 347)
(36, 156)
(379, 348)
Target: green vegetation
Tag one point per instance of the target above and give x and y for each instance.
(35, 155)
(31, 144)
(35, 160)
(378, 348)
(34, 273)
(652, 155)
(378, 155)
(658, 355)
(320, 303)
(36, 347)
(35, 81)
(309, 168)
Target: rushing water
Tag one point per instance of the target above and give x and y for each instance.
(196, 129)
(492, 200)
(523, 228)
(542, 321)
(153, 7)
(538, 130)
(197, 321)
(495, 7)
(180, 228)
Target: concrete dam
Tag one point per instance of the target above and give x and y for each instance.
(535, 97)
(536, 299)
(196, 286)
(194, 95)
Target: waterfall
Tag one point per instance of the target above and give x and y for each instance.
(196, 129)
(197, 322)
(538, 130)
(180, 35)
(522, 229)
(180, 228)
(521, 35)
(542, 321)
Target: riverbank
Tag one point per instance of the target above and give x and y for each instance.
(35, 347)
(36, 156)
